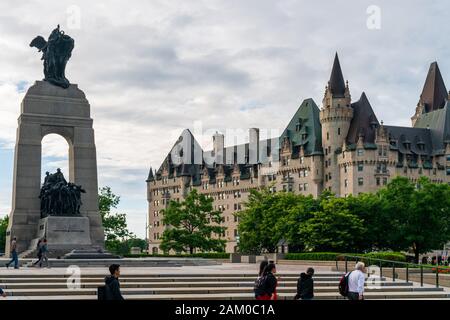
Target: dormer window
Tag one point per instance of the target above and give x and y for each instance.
(421, 145)
(407, 144)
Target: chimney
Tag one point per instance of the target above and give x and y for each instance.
(218, 146)
(253, 146)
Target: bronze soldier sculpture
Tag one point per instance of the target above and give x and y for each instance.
(59, 197)
(55, 53)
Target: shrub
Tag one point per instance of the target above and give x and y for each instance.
(319, 256)
(205, 255)
(367, 258)
(387, 255)
(332, 256)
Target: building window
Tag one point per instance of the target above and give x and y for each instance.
(328, 136)
(360, 181)
(339, 131)
(302, 159)
(385, 180)
(360, 152)
(346, 183)
(360, 166)
(378, 181)
(345, 168)
(305, 186)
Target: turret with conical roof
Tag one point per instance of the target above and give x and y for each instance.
(336, 84)
(335, 117)
(150, 177)
(434, 93)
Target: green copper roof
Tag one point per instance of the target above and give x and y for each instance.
(438, 122)
(305, 128)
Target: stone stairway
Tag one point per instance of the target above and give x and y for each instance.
(179, 286)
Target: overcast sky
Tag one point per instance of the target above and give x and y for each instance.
(152, 68)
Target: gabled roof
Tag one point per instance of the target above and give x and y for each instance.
(434, 93)
(185, 155)
(364, 121)
(305, 129)
(336, 83)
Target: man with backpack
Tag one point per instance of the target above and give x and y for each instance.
(112, 285)
(352, 284)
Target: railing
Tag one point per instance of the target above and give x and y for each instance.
(381, 263)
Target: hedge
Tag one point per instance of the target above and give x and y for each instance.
(205, 255)
(332, 256)
(318, 256)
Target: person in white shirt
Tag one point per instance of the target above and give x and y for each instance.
(356, 281)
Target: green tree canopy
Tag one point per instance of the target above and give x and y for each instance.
(192, 224)
(114, 224)
(420, 213)
(401, 216)
(3, 226)
(334, 228)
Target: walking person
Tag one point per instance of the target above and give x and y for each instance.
(266, 285)
(39, 252)
(305, 285)
(14, 256)
(112, 285)
(262, 265)
(44, 254)
(356, 280)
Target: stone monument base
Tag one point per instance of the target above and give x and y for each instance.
(64, 234)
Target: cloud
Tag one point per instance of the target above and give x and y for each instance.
(151, 69)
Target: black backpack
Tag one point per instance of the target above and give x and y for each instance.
(343, 284)
(260, 285)
(101, 294)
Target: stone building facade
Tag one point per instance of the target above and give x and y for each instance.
(341, 147)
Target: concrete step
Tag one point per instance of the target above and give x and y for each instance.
(245, 296)
(141, 284)
(167, 279)
(201, 290)
(160, 275)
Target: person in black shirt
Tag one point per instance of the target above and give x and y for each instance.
(305, 285)
(112, 285)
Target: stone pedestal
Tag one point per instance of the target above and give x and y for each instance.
(50, 109)
(68, 232)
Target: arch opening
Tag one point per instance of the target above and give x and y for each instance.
(55, 154)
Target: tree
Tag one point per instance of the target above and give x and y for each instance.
(124, 247)
(421, 214)
(379, 225)
(114, 224)
(192, 224)
(333, 228)
(3, 226)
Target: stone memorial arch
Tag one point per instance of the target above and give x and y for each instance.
(47, 109)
